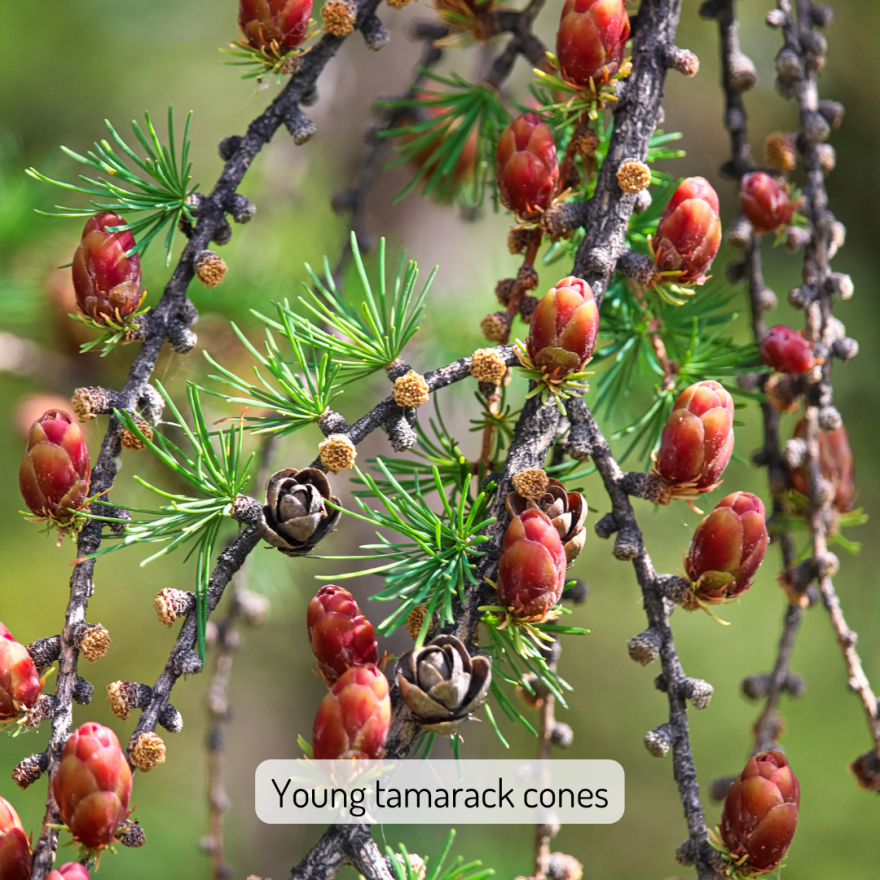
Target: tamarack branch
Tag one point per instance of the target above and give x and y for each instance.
(586, 199)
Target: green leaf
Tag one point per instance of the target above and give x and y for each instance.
(214, 469)
(300, 398)
(441, 123)
(515, 652)
(359, 340)
(437, 868)
(435, 562)
(157, 185)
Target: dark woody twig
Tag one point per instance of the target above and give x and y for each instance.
(802, 42)
(170, 319)
(658, 638)
(343, 845)
(544, 833)
(183, 660)
(524, 42)
(768, 725)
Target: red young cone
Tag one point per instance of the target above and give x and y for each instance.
(526, 166)
(20, 684)
(339, 635)
(267, 24)
(760, 813)
(563, 329)
(836, 461)
(697, 440)
(591, 39)
(531, 572)
(785, 350)
(93, 785)
(727, 549)
(765, 203)
(107, 283)
(353, 719)
(15, 849)
(689, 232)
(55, 472)
(68, 871)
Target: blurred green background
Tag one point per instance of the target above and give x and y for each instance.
(93, 59)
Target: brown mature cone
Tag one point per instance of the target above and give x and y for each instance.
(566, 510)
(296, 516)
(442, 684)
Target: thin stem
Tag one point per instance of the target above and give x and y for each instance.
(546, 722)
(768, 725)
(657, 609)
(819, 315)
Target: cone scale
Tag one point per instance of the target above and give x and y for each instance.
(531, 571)
(20, 683)
(106, 281)
(727, 549)
(274, 24)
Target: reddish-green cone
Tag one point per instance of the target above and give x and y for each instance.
(107, 283)
(689, 232)
(563, 329)
(353, 719)
(531, 572)
(760, 813)
(526, 167)
(697, 440)
(785, 350)
(20, 684)
(15, 849)
(283, 23)
(55, 472)
(765, 203)
(590, 41)
(836, 462)
(93, 785)
(566, 510)
(727, 549)
(339, 635)
(68, 871)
